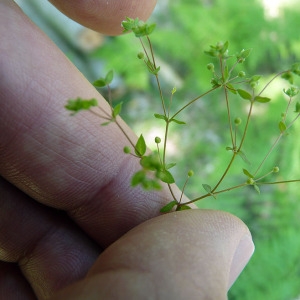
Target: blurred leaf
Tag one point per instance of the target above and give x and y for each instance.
(244, 94)
(167, 208)
(117, 110)
(262, 99)
(165, 176)
(140, 147)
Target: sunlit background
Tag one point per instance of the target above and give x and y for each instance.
(184, 30)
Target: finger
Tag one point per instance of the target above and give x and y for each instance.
(50, 251)
(13, 286)
(184, 255)
(69, 163)
(105, 15)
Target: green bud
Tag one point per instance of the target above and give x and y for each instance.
(275, 170)
(211, 67)
(140, 55)
(157, 140)
(250, 181)
(242, 74)
(126, 149)
(237, 121)
(190, 173)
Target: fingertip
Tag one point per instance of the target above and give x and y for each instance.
(105, 16)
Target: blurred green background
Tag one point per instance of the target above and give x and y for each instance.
(184, 30)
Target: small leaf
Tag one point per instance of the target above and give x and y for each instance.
(140, 147)
(183, 207)
(230, 88)
(244, 94)
(282, 126)
(262, 99)
(288, 76)
(109, 77)
(117, 110)
(256, 188)
(244, 157)
(165, 176)
(106, 123)
(207, 187)
(297, 108)
(138, 178)
(162, 117)
(173, 90)
(169, 166)
(247, 173)
(99, 83)
(78, 104)
(296, 68)
(177, 121)
(291, 92)
(167, 208)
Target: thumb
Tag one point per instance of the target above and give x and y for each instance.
(194, 254)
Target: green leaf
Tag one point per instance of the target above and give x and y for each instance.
(296, 68)
(165, 176)
(297, 108)
(106, 123)
(151, 162)
(138, 27)
(170, 165)
(288, 76)
(247, 173)
(244, 94)
(117, 110)
(109, 77)
(262, 99)
(183, 207)
(167, 208)
(244, 157)
(78, 104)
(243, 54)
(162, 117)
(256, 188)
(177, 121)
(140, 147)
(291, 92)
(230, 88)
(138, 178)
(226, 73)
(207, 187)
(282, 126)
(99, 83)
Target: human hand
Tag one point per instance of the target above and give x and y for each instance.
(65, 193)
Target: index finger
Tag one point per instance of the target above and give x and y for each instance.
(72, 164)
(105, 15)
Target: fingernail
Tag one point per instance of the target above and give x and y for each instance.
(241, 257)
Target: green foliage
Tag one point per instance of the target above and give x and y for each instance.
(78, 104)
(138, 27)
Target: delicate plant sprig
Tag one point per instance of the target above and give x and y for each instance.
(154, 165)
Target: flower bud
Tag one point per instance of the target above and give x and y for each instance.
(140, 55)
(190, 173)
(157, 139)
(126, 150)
(237, 121)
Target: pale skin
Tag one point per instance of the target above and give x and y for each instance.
(71, 227)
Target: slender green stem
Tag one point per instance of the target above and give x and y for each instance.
(229, 116)
(246, 126)
(194, 100)
(216, 193)
(278, 182)
(266, 86)
(225, 172)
